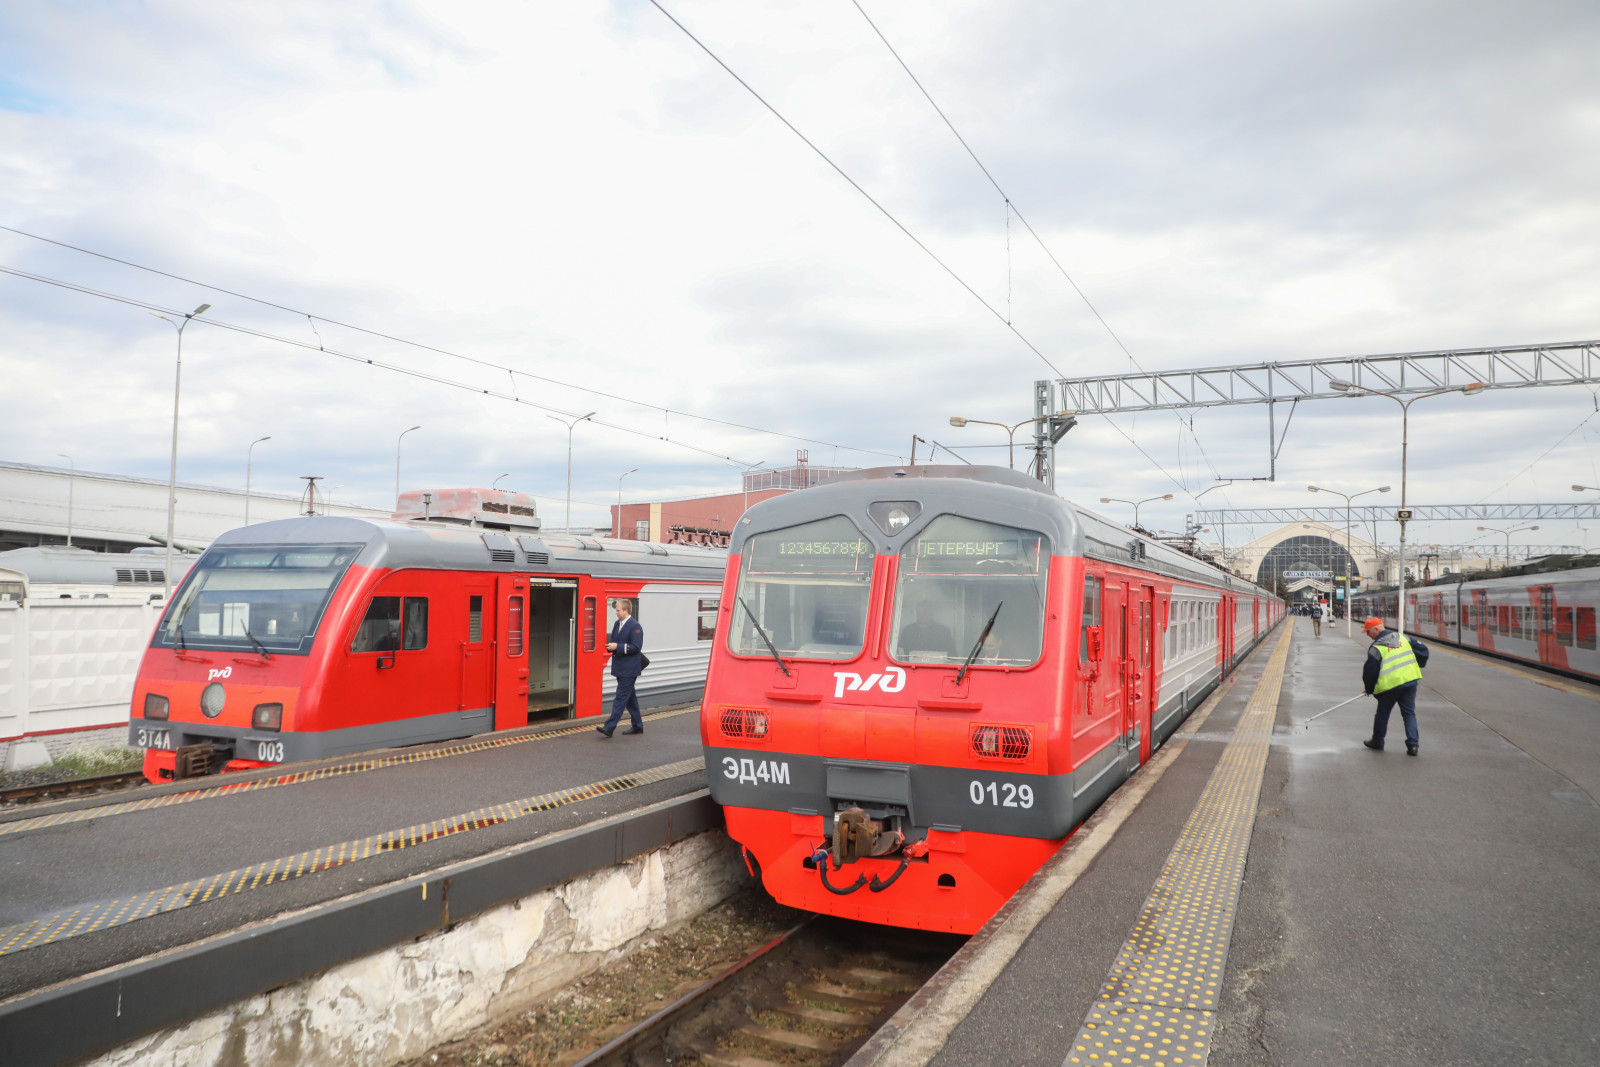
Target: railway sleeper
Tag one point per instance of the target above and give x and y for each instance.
(844, 996)
(825, 1016)
(789, 1038)
(889, 979)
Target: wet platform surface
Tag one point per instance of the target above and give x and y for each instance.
(91, 883)
(1392, 910)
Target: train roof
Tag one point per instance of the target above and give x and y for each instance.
(993, 494)
(59, 565)
(433, 545)
(1517, 578)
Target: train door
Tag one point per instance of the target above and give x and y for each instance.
(477, 646)
(552, 622)
(1143, 689)
(1551, 654)
(511, 678)
(1226, 613)
(1114, 674)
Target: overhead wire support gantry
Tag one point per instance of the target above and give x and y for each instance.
(1506, 367)
(1335, 515)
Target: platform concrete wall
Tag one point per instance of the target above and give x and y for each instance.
(395, 1005)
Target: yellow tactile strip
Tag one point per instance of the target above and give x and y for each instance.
(1158, 1004)
(105, 914)
(295, 778)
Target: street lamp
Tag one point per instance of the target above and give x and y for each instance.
(1011, 432)
(1135, 503)
(71, 478)
(172, 478)
(1507, 534)
(573, 425)
(1348, 558)
(616, 527)
(496, 483)
(1470, 389)
(249, 458)
(397, 441)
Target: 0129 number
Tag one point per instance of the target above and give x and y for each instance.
(1001, 795)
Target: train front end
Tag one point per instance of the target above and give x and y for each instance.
(230, 678)
(884, 720)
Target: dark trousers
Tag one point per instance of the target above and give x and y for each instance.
(1406, 697)
(627, 699)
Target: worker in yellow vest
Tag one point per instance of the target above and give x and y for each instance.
(1391, 674)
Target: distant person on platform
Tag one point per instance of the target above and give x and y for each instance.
(627, 663)
(1316, 620)
(926, 633)
(1391, 674)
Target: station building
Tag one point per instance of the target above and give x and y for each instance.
(709, 520)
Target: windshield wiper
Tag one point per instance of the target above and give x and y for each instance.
(764, 637)
(978, 646)
(260, 648)
(183, 646)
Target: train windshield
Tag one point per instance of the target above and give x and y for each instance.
(957, 575)
(808, 587)
(254, 598)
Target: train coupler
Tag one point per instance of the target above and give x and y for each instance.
(857, 834)
(196, 761)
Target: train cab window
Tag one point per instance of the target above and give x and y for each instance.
(1093, 600)
(706, 618)
(807, 587)
(1585, 628)
(415, 633)
(380, 627)
(474, 619)
(959, 576)
(246, 598)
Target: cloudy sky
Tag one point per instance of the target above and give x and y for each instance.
(577, 192)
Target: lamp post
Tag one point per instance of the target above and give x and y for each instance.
(573, 425)
(249, 458)
(1348, 558)
(1507, 534)
(1470, 389)
(397, 441)
(72, 477)
(1011, 433)
(496, 483)
(172, 478)
(616, 528)
(1135, 503)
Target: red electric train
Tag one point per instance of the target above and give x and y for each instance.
(312, 637)
(1546, 619)
(925, 678)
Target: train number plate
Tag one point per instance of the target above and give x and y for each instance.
(269, 751)
(1000, 794)
(155, 739)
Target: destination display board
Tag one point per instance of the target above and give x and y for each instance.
(830, 546)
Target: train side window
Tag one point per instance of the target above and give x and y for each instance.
(1585, 628)
(589, 613)
(514, 627)
(1564, 626)
(707, 617)
(380, 628)
(1170, 647)
(474, 619)
(1092, 589)
(415, 634)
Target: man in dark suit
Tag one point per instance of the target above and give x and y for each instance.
(627, 655)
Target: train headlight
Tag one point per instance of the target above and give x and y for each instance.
(155, 706)
(892, 516)
(267, 717)
(213, 698)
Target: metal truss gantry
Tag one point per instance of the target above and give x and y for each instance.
(1334, 515)
(1515, 367)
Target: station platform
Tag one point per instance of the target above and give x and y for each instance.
(1269, 891)
(89, 884)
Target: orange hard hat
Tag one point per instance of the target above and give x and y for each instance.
(1373, 623)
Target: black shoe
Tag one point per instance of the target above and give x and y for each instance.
(603, 730)
(634, 730)
(1376, 746)
(1411, 750)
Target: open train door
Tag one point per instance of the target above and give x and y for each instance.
(511, 673)
(552, 654)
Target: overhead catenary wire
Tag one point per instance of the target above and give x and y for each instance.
(314, 318)
(1012, 209)
(252, 331)
(1000, 316)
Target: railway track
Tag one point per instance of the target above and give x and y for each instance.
(809, 998)
(16, 796)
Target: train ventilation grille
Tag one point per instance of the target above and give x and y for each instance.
(744, 723)
(1002, 742)
(502, 555)
(128, 577)
(537, 558)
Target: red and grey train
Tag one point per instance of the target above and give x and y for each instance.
(925, 678)
(1547, 619)
(312, 637)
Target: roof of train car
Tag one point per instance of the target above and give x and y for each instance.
(450, 546)
(53, 565)
(1511, 581)
(992, 493)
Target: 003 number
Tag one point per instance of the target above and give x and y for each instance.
(269, 751)
(1001, 795)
